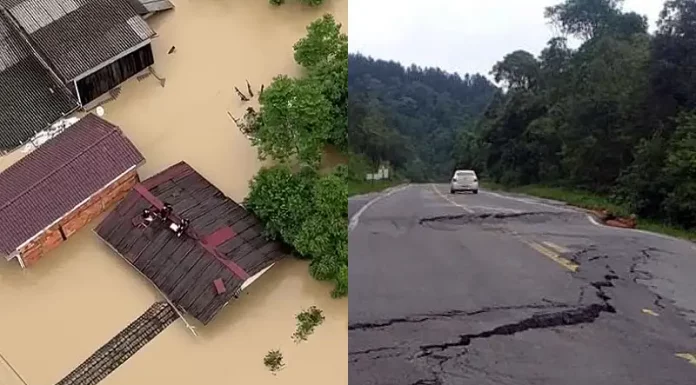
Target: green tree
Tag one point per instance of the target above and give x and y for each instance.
(324, 54)
(308, 211)
(680, 168)
(294, 121)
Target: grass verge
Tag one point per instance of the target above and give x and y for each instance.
(588, 200)
(365, 187)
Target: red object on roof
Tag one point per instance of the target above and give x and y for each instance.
(220, 236)
(57, 177)
(219, 285)
(224, 241)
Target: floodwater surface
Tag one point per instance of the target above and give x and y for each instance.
(56, 314)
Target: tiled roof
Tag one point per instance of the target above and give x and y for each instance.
(31, 99)
(49, 182)
(223, 249)
(78, 35)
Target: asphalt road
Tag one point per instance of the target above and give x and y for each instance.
(501, 289)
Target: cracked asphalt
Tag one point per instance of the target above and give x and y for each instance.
(506, 289)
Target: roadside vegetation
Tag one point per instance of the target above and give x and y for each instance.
(357, 168)
(298, 118)
(592, 201)
(610, 124)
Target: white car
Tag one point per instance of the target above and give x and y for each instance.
(464, 180)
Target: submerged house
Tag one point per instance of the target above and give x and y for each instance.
(31, 97)
(199, 270)
(87, 47)
(54, 191)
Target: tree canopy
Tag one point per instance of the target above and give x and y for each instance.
(298, 118)
(410, 117)
(615, 116)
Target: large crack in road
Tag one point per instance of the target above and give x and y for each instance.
(599, 266)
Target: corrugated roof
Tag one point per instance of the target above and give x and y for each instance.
(186, 269)
(55, 178)
(78, 35)
(31, 98)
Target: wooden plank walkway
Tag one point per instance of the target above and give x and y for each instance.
(123, 346)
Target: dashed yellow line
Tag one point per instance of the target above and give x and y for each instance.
(556, 247)
(687, 356)
(568, 264)
(650, 312)
(468, 210)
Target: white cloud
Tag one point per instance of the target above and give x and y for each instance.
(457, 35)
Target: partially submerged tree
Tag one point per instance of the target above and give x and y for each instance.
(324, 54)
(294, 121)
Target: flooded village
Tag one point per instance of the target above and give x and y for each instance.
(83, 284)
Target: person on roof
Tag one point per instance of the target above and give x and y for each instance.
(182, 227)
(166, 211)
(148, 217)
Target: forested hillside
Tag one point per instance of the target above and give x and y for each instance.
(617, 116)
(411, 117)
(614, 117)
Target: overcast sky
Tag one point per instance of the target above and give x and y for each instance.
(457, 35)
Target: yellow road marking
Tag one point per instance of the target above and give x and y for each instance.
(568, 264)
(468, 210)
(650, 312)
(556, 247)
(687, 356)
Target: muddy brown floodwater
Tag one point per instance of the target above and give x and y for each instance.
(59, 312)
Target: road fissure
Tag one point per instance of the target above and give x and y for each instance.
(452, 314)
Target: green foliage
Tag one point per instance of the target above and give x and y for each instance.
(293, 121)
(276, 2)
(307, 321)
(281, 199)
(680, 169)
(274, 360)
(308, 211)
(298, 118)
(410, 117)
(613, 118)
(602, 117)
(324, 54)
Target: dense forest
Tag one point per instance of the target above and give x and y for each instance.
(410, 117)
(616, 116)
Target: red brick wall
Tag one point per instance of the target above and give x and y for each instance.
(77, 219)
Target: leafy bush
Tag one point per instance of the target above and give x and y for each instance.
(276, 2)
(307, 320)
(309, 212)
(324, 54)
(297, 119)
(294, 121)
(274, 360)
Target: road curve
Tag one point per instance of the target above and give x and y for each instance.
(502, 289)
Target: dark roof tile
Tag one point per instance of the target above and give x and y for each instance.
(54, 179)
(183, 268)
(78, 35)
(31, 98)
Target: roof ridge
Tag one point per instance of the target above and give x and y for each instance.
(114, 129)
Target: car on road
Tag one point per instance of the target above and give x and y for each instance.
(464, 180)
